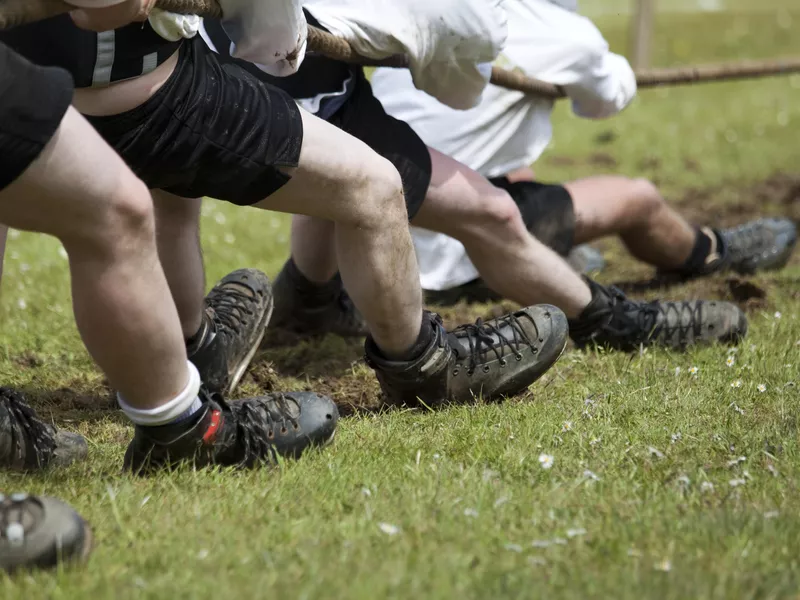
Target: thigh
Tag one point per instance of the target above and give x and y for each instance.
(458, 198)
(69, 185)
(604, 204)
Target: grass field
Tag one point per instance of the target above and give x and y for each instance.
(664, 484)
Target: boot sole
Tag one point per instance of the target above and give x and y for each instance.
(245, 362)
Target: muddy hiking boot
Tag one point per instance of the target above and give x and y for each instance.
(310, 309)
(614, 321)
(237, 312)
(40, 532)
(761, 245)
(490, 359)
(242, 433)
(27, 443)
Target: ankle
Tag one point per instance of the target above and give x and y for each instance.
(417, 349)
(595, 315)
(308, 288)
(706, 250)
(178, 409)
(198, 340)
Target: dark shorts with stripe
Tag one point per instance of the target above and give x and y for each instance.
(357, 112)
(33, 102)
(213, 129)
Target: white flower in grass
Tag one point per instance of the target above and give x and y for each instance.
(736, 383)
(571, 533)
(736, 461)
(706, 487)
(24, 267)
(595, 441)
(664, 566)
(202, 555)
(771, 468)
(736, 408)
(762, 387)
(677, 371)
(546, 461)
(470, 512)
(567, 426)
(229, 238)
(541, 543)
(771, 514)
(737, 482)
(778, 314)
(693, 370)
(684, 480)
(513, 548)
(730, 361)
(676, 437)
(388, 528)
(220, 218)
(21, 304)
(591, 475)
(655, 452)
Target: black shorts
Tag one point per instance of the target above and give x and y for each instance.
(213, 129)
(364, 117)
(547, 211)
(33, 102)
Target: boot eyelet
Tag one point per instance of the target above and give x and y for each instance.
(271, 434)
(518, 357)
(455, 372)
(503, 362)
(295, 426)
(471, 372)
(284, 431)
(535, 350)
(485, 368)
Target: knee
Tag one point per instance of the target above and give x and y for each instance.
(646, 198)
(497, 215)
(124, 223)
(377, 197)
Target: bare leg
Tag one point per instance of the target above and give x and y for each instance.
(342, 180)
(104, 218)
(314, 248)
(634, 210)
(464, 205)
(178, 237)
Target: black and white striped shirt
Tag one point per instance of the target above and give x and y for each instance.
(93, 59)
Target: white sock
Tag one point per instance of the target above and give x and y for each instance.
(180, 408)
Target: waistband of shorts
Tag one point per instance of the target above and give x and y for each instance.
(119, 124)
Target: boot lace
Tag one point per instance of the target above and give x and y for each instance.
(28, 429)
(256, 424)
(639, 322)
(482, 344)
(230, 307)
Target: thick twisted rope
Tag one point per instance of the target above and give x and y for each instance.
(21, 12)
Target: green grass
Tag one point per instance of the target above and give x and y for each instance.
(476, 514)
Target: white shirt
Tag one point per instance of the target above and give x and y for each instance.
(450, 43)
(510, 130)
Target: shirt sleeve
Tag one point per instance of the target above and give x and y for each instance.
(604, 86)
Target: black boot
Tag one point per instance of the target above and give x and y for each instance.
(242, 433)
(307, 308)
(28, 443)
(614, 321)
(501, 357)
(237, 312)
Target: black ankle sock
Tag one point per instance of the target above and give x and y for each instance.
(196, 341)
(418, 348)
(594, 316)
(701, 250)
(311, 290)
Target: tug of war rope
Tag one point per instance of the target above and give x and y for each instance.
(21, 12)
